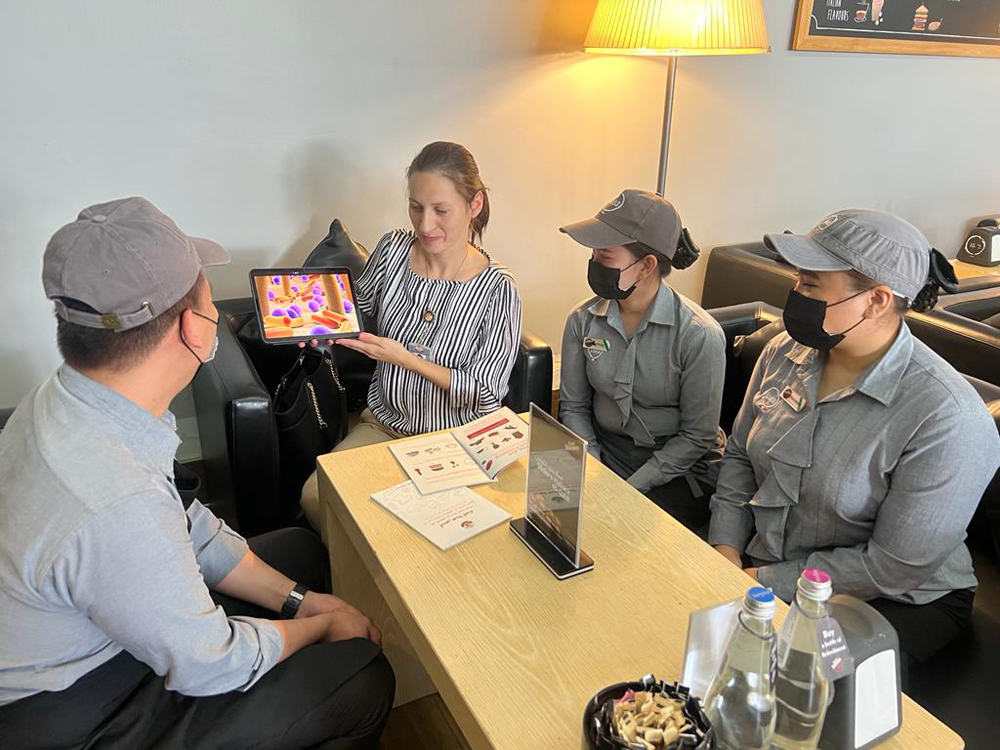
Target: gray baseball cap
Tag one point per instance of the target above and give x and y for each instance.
(127, 260)
(634, 216)
(879, 245)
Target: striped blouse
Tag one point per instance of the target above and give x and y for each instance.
(475, 332)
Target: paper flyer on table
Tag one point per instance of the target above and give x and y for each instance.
(494, 441)
(437, 462)
(444, 518)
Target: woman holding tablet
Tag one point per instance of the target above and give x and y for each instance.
(643, 367)
(448, 316)
(858, 450)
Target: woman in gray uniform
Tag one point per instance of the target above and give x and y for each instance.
(643, 367)
(858, 450)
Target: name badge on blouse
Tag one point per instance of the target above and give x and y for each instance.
(421, 350)
(793, 399)
(596, 347)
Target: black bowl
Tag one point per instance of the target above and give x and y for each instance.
(596, 739)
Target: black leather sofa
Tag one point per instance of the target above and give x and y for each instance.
(957, 685)
(239, 443)
(752, 272)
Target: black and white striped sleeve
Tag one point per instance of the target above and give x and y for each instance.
(482, 385)
(368, 287)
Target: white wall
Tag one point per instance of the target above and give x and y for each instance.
(257, 122)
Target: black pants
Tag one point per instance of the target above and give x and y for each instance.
(680, 501)
(925, 629)
(331, 695)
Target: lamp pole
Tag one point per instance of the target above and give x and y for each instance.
(668, 111)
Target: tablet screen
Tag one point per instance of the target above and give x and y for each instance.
(303, 304)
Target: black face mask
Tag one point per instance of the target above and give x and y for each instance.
(604, 280)
(803, 317)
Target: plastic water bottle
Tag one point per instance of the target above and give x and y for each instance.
(803, 690)
(740, 700)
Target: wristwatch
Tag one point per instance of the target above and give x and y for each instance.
(291, 605)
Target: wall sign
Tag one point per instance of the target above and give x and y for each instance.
(969, 28)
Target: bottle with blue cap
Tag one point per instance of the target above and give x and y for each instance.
(740, 700)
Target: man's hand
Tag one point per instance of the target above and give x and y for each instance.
(345, 625)
(316, 604)
(730, 553)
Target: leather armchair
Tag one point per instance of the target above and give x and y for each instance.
(239, 441)
(738, 322)
(956, 684)
(751, 272)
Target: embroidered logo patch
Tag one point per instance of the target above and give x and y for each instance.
(615, 204)
(828, 222)
(766, 400)
(595, 347)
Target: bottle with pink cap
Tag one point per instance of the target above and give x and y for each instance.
(803, 690)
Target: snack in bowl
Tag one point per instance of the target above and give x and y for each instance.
(646, 715)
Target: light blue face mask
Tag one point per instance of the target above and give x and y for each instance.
(215, 344)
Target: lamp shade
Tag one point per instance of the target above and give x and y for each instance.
(677, 27)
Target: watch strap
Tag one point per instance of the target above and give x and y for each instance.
(293, 600)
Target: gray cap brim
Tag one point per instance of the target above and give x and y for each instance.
(804, 252)
(211, 253)
(594, 233)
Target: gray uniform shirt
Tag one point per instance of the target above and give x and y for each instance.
(875, 484)
(96, 556)
(649, 405)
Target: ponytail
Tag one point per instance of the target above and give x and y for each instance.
(940, 276)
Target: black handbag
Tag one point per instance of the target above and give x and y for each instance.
(310, 411)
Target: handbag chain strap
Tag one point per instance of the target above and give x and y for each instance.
(312, 395)
(283, 383)
(333, 373)
(312, 390)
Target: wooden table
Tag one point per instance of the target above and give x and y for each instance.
(971, 270)
(515, 653)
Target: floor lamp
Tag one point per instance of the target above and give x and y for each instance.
(672, 28)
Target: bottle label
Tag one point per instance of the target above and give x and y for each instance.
(836, 656)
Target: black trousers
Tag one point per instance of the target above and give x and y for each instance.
(331, 695)
(925, 629)
(679, 500)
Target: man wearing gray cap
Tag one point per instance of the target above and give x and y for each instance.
(110, 568)
(642, 366)
(858, 450)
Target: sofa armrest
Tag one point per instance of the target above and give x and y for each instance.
(736, 321)
(531, 378)
(239, 439)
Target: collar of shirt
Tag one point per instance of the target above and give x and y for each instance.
(662, 311)
(154, 439)
(881, 380)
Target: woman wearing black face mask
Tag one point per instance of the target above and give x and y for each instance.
(643, 367)
(858, 450)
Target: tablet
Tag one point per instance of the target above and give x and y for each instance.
(300, 304)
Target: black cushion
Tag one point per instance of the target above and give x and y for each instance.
(271, 361)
